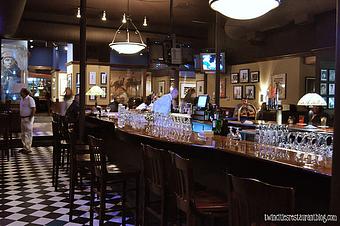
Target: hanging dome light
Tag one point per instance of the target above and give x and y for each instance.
(243, 9)
(127, 47)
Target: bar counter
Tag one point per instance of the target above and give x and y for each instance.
(213, 156)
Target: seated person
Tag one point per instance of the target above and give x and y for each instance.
(113, 105)
(260, 113)
(72, 112)
(146, 105)
(318, 113)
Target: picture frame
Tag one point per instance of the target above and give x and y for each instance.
(92, 97)
(223, 88)
(77, 90)
(200, 87)
(77, 79)
(324, 75)
(185, 87)
(331, 89)
(250, 92)
(237, 92)
(326, 100)
(310, 85)
(69, 80)
(103, 78)
(279, 83)
(323, 89)
(234, 78)
(331, 102)
(244, 75)
(331, 75)
(254, 76)
(104, 89)
(161, 86)
(92, 79)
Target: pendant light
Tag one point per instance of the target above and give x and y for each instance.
(127, 46)
(243, 9)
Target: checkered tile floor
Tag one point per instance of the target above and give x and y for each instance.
(28, 198)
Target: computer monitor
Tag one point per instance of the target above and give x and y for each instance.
(202, 101)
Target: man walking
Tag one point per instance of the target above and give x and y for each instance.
(27, 111)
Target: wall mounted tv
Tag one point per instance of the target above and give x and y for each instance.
(209, 62)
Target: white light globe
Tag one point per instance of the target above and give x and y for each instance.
(127, 47)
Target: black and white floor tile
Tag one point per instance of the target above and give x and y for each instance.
(28, 198)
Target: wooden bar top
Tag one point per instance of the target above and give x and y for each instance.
(247, 149)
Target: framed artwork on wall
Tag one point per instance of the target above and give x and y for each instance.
(104, 89)
(331, 89)
(78, 79)
(185, 87)
(310, 85)
(254, 76)
(92, 97)
(324, 75)
(77, 90)
(222, 88)
(331, 73)
(92, 79)
(331, 102)
(234, 78)
(323, 89)
(279, 82)
(200, 87)
(161, 86)
(237, 92)
(69, 80)
(244, 75)
(250, 92)
(103, 78)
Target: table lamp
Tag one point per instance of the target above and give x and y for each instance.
(310, 100)
(95, 91)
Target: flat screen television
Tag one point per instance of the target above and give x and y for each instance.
(208, 62)
(202, 101)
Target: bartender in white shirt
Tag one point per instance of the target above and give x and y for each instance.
(163, 104)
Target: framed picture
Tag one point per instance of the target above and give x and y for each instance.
(331, 102)
(331, 89)
(161, 86)
(326, 100)
(92, 80)
(244, 75)
(185, 87)
(104, 89)
(254, 76)
(200, 87)
(279, 82)
(331, 74)
(310, 85)
(234, 78)
(222, 88)
(323, 89)
(237, 92)
(77, 79)
(92, 97)
(324, 75)
(103, 78)
(69, 80)
(250, 92)
(77, 90)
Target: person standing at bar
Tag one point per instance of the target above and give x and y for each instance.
(27, 111)
(163, 104)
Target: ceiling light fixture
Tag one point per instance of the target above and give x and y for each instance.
(78, 13)
(127, 46)
(145, 23)
(104, 16)
(243, 9)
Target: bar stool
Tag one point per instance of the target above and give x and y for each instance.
(195, 204)
(250, 199)
(4, 135)
(110, 174)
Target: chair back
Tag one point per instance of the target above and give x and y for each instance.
(4, 131)
(153, 165)
(56, 134)
(98, 157)
(183, 176)
(251, 199)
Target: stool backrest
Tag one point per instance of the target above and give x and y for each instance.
(56, 133)
(98, 157)
(153, 165)
(251, 199)
(183, 182)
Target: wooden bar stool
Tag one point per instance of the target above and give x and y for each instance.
(195, 204)
(250, 199)
(110, 174)
(4, 135)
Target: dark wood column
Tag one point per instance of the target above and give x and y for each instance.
(335, 192)
(82, 67)
(218, 59)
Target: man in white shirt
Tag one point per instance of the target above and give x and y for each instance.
(163, 104)
(27, 111)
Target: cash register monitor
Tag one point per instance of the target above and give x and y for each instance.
(202, 101)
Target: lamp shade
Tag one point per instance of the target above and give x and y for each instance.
(127, 47)
(312, 99)
(243, 9)
(95, 91)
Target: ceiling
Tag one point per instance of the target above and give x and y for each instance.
(192, 18)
